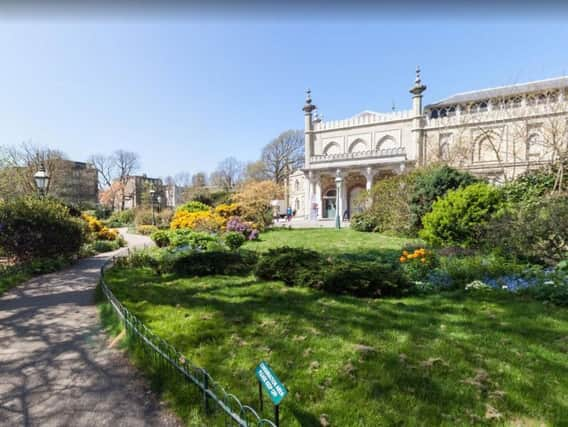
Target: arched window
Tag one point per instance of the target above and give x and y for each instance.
(332, 192)
(297, 205)
(297, 185)
(332, 148)
(357, 145)
(487, 149)
(386, 143)
(444, 147)
(534, 146)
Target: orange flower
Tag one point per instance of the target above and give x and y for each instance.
(423, 260)
(405, 253)
(402, 259)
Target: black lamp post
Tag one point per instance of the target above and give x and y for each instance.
(152, 192)
(41, 178)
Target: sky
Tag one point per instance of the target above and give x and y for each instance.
(187, 91)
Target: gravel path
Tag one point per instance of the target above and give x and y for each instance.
(56, 367)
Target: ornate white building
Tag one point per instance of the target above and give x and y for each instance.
(498, 133)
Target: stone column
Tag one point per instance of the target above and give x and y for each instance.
(318, 196)
(340, 192)
(369, 175)
(307, 194)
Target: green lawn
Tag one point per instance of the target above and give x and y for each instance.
(12, 277)
(330, 241)
(446, 359)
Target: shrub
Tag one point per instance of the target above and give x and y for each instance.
(529, 188)
(214, 262)
(121, 218)
(227, 211)
(234, 240)
(418, 264)
(293, 266)
(364, 221)
(254, 199)
(197, 221)
(161, 238)
(301, 267)
(194, 206)
(101, 246)
(458, 219)
(191, 239)
(146, 230)
(246, 228)
(98, 230)
(390, 208)
(144, 217)
(432, 183)
(39, 228)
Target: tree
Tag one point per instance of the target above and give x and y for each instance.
(118, 166)
(255, 198)
(255, 171)
(283, 155)
(20, 163)
(229, 172)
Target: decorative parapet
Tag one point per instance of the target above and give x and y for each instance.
(492, 114)
(367, 119)
(377, 154)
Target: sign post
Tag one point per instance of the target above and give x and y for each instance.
(273, 386)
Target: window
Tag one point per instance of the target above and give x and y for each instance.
(534, 146)
(483, 106)
(296, 185)
(434, 114)
(444, 147)
(541, 99)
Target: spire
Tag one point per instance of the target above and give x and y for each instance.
(418, 87)
(309, 107)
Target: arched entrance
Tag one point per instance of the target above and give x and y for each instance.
(355, 205)
(329, 203)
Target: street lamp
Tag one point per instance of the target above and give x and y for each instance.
(41, 178)
(338, 181)
(152, 192)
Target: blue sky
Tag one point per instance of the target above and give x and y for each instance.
(185, 93)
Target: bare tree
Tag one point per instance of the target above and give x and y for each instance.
(126, 163)
(20, 163)
(106, 168)
(228, 174)
(283, 155)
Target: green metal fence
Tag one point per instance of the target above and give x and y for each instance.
(215, 397)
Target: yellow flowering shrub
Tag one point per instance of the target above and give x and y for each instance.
(198, 221)
(227, 211)
(98, 230)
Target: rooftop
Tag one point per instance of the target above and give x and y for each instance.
(503, 91)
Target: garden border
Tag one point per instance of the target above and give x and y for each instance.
(168, 356)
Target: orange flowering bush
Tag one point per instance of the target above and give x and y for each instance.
(98, 230)
(198, 221)
(418, 263)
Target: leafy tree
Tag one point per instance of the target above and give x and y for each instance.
(432, 183)
(254, 199)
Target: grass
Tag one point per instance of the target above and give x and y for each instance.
(11, 277)
(445, 359)
(331, 241)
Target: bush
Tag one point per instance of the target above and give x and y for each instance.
(227, 211)
(191, 239)
(97, 230)
(432, 183)
(214, 262)
(418, 264)
(146, 230)
(101, 246)
(458, 219)
(293, 266)
(390, 208)
(161, 238)
(39, 228)
(194, 206)
(197, 221)
(364, 221)
(246, 228)
(535, 232)
(234, 240)
(301, 267)
(144, 217)
(121, 218)
(529, 188)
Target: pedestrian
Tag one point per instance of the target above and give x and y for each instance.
(289, 213)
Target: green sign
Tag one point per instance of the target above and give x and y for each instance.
(271, 383)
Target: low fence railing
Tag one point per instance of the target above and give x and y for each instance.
(215, 397)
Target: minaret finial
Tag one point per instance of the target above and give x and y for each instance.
(418, 87)
(309, 107)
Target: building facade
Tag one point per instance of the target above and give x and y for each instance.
(142, 191)
(496, 133)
